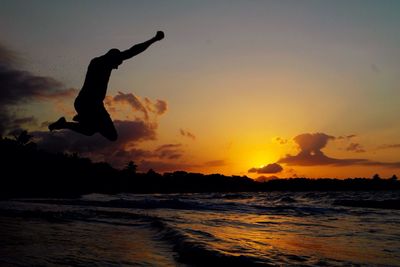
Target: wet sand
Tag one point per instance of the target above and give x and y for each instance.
(35, 242)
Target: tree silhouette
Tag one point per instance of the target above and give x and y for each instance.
(23, 138)
(33, 172)
(131, 168)
(376, 177)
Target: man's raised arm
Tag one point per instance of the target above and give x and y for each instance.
(139, 48)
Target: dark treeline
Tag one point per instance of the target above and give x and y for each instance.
(31, 172)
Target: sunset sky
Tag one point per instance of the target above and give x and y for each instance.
(258, 88)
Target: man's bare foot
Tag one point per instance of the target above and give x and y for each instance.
(59, 124)
(76, 118)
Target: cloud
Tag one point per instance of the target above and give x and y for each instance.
(312, 143)
(187, 134)
(133, 101)
(18, 122)
(169, 151)
(389, 146)
(310, 154)
(10, 122)
(281, 140)
(118, 153)
(348, 137)
(20, 87)
(270, 168)
(356, 147)
(146, 106)
(160, 106)
(130, 133)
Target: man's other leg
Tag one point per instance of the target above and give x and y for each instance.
(81, 128)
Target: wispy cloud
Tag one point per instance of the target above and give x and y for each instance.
(389, 146)
(355, 147)
(347, 137)
(187, 134)
(281, 140)
(169, 151)
(146, 106)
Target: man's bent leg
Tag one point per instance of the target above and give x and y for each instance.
(80, 128)
(107, 129)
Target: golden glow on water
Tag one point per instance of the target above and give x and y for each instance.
(269, 236)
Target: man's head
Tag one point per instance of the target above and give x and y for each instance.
(114, 57)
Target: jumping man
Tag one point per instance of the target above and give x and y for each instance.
(91, 115)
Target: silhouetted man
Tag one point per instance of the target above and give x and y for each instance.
(91, 115)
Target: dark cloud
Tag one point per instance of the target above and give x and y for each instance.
(9, 121)
(21, 87)
(169, 151)
(347, 137)
(133, 101)
(136, 130)
(356, 147)
(312, 143)
(146, 106)
(389, 146)
(25, 120)
(395, 165)
(187, 134)
(16, 123)
(310, 152)
(311, 155)
(161, 107)
(270, 168)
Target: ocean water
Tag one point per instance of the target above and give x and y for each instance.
(213, 229)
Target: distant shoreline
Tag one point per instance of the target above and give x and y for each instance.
(36, 173)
